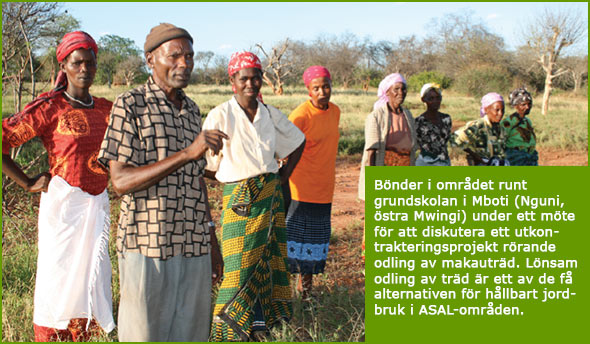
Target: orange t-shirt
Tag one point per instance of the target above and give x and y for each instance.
(72, 138)
(313, 179)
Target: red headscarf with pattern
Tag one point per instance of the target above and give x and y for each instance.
(243, 60)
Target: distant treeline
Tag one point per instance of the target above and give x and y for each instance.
(459, 52)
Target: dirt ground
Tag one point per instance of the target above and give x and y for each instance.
(346, 207)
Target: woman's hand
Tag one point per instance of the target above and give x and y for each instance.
(13, 171)
(216, 262)
(478, 160)
(371, 157)
(292, 160)
(39, 183)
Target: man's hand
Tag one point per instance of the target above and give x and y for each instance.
(207, 139)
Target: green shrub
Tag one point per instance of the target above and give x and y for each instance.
(351, 144)
(479, 80)
(416, 81)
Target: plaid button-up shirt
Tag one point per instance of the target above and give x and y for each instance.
(167, 219)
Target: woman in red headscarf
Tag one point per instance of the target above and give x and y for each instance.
(255, 292)
(73, 281)
(312, 181)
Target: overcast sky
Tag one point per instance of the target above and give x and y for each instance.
(227, 27)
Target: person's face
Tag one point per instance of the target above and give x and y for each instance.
(80, 68)
(397, 94)
(432, 100)
(247, 82)
(495, 112)
(320, 90)
(172, 63)
(523, 109)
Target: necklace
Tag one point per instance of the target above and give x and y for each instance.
(79, 101)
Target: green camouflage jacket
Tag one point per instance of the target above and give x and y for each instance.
(519, 133)
(481, 137)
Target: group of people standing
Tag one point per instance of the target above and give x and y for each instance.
(393, 137)
(278, 174)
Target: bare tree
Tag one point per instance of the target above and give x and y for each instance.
(201, 73)
(344, 55)
(577, 67)
(410, 56)
(527, 72)
(377, 54)
(548, 35)
(459, 42)
(113, 51)
(23, 25)
(219, 70)
(129, 69)
(203, 58)
(277, 68)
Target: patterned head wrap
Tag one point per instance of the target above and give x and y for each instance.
(488, 100)
(384, 86)
(243, 60)
(519, 96)
(314, 72)
(430, 86)
(70, 42)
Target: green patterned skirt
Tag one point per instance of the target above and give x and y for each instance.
(254, 247)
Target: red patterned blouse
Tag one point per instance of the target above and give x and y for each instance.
(71, 136)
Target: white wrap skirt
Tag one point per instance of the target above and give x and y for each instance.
(73, 266)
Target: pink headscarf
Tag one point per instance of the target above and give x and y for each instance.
(314, 72)
(488, 100)
(384, 86)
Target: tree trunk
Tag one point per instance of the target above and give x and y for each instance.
(547, 94)
(15, 99)
(577, 82)
(279, 91)
(269, 83)
(30, 52)
(18, 94)
(52, 77)
(32, 76)
(18, 91)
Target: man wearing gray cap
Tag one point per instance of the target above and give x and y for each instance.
(166, 240)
